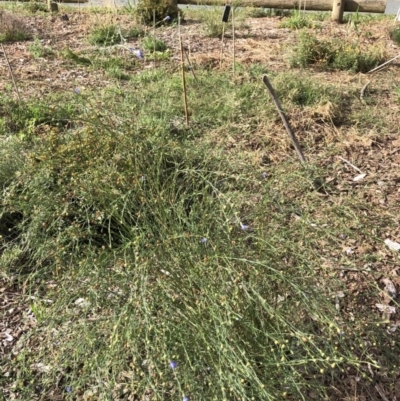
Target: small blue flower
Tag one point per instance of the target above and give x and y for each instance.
(131, 49)
(167, 18)
(185, 398)
(77, 91)
(264, 174)
(68, 389)
(343, 236)
(173, 365)
(203, 240)
(138, 54)
(244, 227)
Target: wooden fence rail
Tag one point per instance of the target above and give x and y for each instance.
(368, 6)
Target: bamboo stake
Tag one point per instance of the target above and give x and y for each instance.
(154, 36)
(284, 119)
(222, 45)
(233, 39)
(11, 73)
(183, 73)
(225, 18)
(190, 65)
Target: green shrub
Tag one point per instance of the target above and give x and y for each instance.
(167, 267)
(335, 54)
(163, 8)
(12, 28)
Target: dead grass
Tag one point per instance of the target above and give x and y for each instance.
(12, 28)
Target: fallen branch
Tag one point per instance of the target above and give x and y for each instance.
(350, 164)
(383, 65)
(284, 119)
(351, 269)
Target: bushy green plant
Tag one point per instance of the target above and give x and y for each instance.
(169, 269)
(395, 34)
(35, 7)
(37, 49)
(297, 20)
(310, 50)
(135, 32)
(107, 35)
(12, 28)
(162, 9)
(151, 44)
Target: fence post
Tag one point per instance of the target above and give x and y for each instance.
(52, 6)
(337, 10)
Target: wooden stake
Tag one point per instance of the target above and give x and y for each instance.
(284, 119)
(337, 10)
(52, 6)
(183, 73)
(11, 73)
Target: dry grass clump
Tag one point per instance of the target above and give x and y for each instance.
(12, 28)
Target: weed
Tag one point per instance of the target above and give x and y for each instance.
(37, 49)
(395, 34)
(333, 54)
(298, 20)
(151, 44)
(114, 67)
(135, 32)
(397, 91)
(12, 28)
(34, 7)
(107, 35)
(213, 25)
(259, 12)
(145, 10)
(70, 55)
(128, 216)
(303, 91)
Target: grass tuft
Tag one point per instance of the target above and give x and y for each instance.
(334, 54)
(297, 20)
(150, 44)
(12, 28)
(395, 34)
(107, 35)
